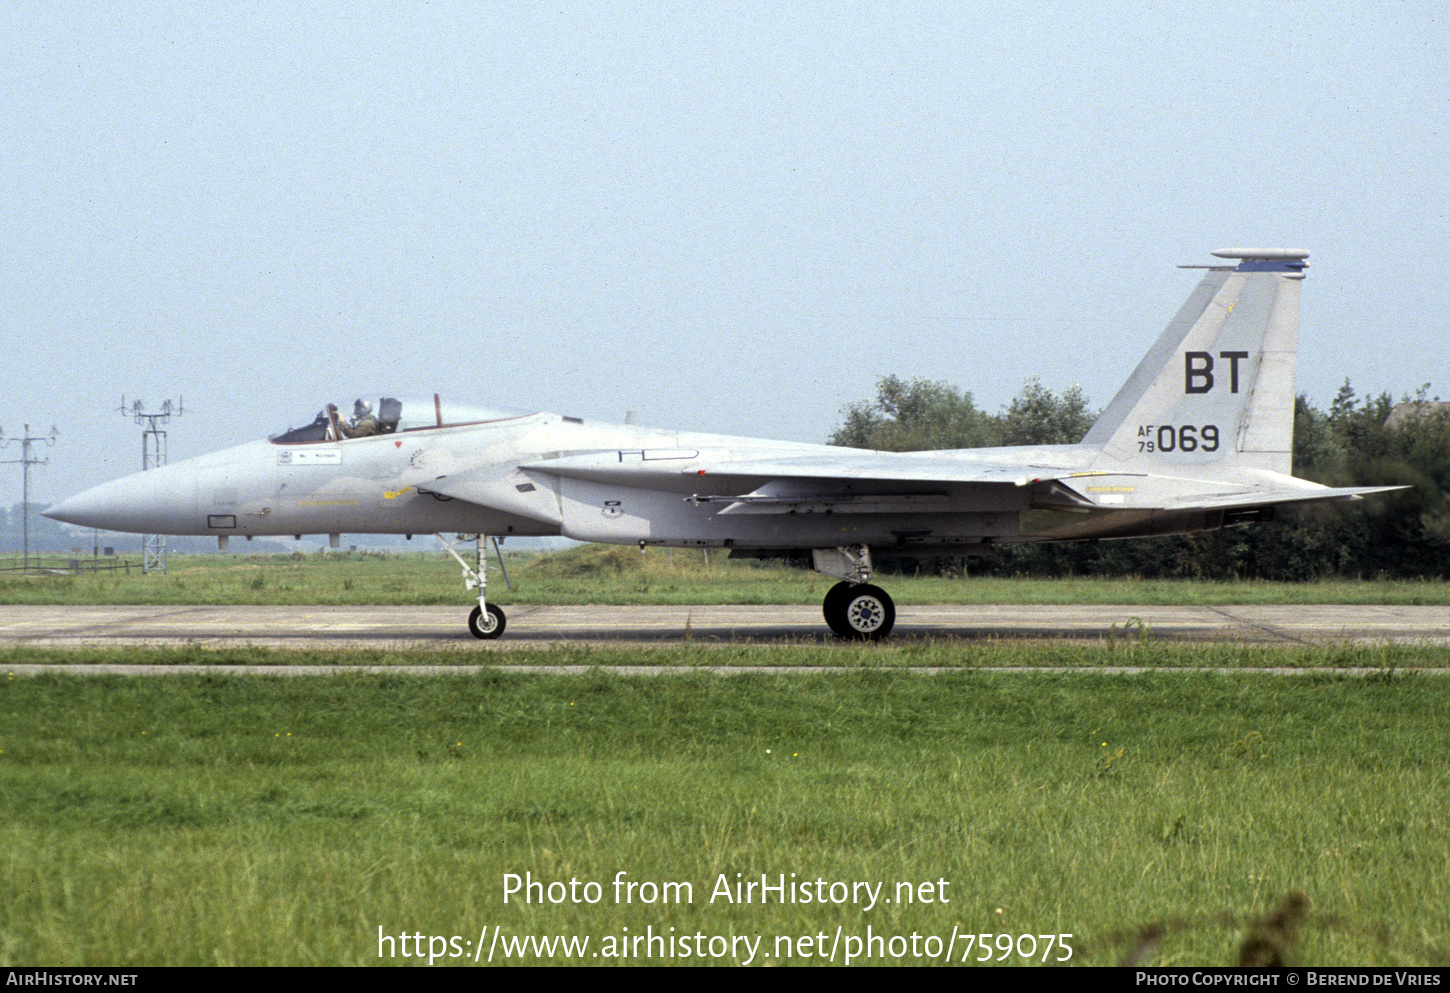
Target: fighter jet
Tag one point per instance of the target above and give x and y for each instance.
(1198, 439)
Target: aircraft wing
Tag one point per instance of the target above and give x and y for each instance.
(635, 468)
(847, 480)
(857, 481)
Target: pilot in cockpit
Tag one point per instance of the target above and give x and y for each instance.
(363, 422)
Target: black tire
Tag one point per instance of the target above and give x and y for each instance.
(495, 626)
(863, 613)
(834, 609)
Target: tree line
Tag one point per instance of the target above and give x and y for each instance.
(1353, 443)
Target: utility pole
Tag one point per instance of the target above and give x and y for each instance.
(27, 460)
(153, 455)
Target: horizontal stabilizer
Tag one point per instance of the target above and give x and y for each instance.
(1279, 496)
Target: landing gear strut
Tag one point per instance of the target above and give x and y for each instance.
(853, 608)
(487, 620)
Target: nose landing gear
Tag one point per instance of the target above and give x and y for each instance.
(487, 620)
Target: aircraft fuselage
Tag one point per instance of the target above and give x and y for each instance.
(495, 478)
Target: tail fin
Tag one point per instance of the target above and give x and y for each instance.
(1218, 384)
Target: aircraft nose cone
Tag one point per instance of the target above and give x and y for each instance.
(73, 510)
(148, 503)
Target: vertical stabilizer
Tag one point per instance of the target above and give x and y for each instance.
(1218, 384)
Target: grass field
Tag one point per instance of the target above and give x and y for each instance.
(618, 575)
(255, 820)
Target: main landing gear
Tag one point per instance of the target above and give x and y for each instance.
(854, 608)
(862, 612)
(487, 620)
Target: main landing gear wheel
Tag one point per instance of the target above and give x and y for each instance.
(862, 612)
(488, 628)
(834, 609)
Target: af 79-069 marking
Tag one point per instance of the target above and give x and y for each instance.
(1199, 438)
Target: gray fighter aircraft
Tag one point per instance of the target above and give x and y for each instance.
(1199, 438)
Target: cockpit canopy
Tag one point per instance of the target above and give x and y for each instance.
(388, 415)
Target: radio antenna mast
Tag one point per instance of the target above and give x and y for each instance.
(153, 456)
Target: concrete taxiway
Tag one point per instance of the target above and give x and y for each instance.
(392, 627)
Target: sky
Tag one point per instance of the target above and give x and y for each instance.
(726, 216)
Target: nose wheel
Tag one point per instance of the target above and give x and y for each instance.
(859, 611)
(487, 623)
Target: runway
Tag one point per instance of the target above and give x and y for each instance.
(392, 627)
